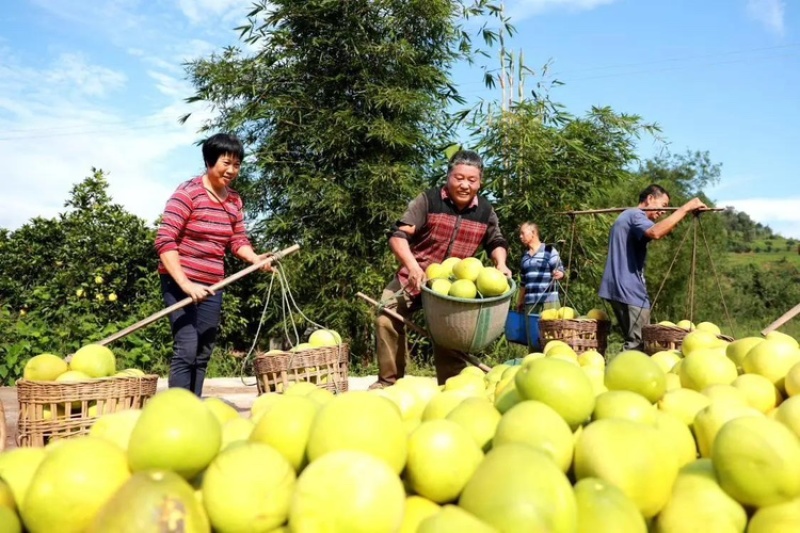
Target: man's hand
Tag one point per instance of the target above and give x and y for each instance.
(558, 274)
(196, 292)
(694, 204)
(504, 269)
(416, 277)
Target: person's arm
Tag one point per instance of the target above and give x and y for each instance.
(663, 227)
(401, 233)
(172, 262)
(240, 243)
(499, 256)
(496, 245)
(555, 264)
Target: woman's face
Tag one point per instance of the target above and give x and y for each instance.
(224, 171)
(526, 234)
(463, 184)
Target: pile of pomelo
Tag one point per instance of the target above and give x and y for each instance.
(92, 361)
(706, 439)
(466, 278)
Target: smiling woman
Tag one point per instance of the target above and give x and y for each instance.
(202, 219)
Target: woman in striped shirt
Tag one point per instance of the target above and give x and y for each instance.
(202, 219)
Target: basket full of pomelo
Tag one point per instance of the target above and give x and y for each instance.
(581, 333)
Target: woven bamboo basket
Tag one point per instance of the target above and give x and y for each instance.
(50, 411)
(658, 338)
(466, 324)
(326, 367)
(580, 334)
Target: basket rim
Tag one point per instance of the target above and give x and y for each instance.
(83, 381)
(505, 295)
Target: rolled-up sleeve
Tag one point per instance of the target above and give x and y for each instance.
(415, 215)
(494, 237)
(173, 221)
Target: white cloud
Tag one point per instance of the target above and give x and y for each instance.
(519, 9)
(780, 214)
(205, 11)
(770, 13)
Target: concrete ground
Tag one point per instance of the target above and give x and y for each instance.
(233, 390)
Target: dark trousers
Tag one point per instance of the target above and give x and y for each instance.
(194, 333)
(631, 320)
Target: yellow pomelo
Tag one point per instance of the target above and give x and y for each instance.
(72, 376)
(94, 360)
(630, 455)
(423, 388)
(417, 509)
(788, 414)
(564, 356)
(603, 508)
(698, 501)
(347, 491)
(698, 340)
(710, 420)
(555, 344)
(702, 368)
(563, 351)
(539, 426)
(286, 426)
(9, 521)
(491, 282)
(781, 518)
(236, 430)
(469, 383)
(440, 405)
(673, 381)
(592, 358)
(792, 381)
(508, 398)
(772, 359)
(362, 422)
(442, 457)
(759, 391)
(468, 268)
(709, 327)
(676, 369)
(757, 461)
(678, 435)
(777, 336)
(624, 404)
(634, 371)
(684, 404)
(44, 367)
(321, 396)
(262, 403)
(597, 376)
(116, 427)
(726, 393)
(559, 384)
(17, 467)
(495, 373)
(175, 431)
(300, 388)
(72, 484)
(479, 418)
(222, 410)
(737, 350)
(449, 263)
(473, 370)
(453, 518)
(567, 313)
(519, 489)
(155, 500)
(549, 314)
(407, 402)
(6, 496)
(685, 324)
(248, 488)
(665, 359)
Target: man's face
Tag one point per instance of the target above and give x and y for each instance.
(659, 201)
(525, 234)
(463, 184)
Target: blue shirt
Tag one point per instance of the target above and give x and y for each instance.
(537, 274)
(623, 278)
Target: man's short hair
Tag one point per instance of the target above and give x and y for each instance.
(465, 157)
(654, 190)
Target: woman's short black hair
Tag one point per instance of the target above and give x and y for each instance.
(221, 144)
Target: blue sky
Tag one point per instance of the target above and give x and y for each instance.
(100, 83)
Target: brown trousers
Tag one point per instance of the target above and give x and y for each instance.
(392, 348)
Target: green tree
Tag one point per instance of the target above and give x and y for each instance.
(343, 106)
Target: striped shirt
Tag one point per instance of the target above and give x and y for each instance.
(537, 274)
(201, 230)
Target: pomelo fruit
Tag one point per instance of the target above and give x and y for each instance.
(603, 508)
(442, 457)
(94, 360)
(72, 376)
(491, 282)
(116, 427)
(788, 414)
(709, 327)
(44, 367)
(236, 430)
(442, 404)
(673, 381)
(468, 269)
(559, 384)
(6, 496)
(737, 350)
(449, 263)
(262, 403)
(469, 383)
(772, 359)
(322, 338)
(684, 404)
(222, 410)
(757, 461)
(440, 286)
(710, 420)
(463, 288)
(698, 340)
(347, 491)
(519, 489)
(782, 337)
(72, 484)
(725, 393)
(286, 426)
(665, 359)
(156, 500)
(248, 488)
(631, 456)
(702, 368)
(556, 345)
(678, 435)
(597, 376)
(780, 518)
(479, 418)
(507, 399)
(792, 381)
(17, 467)
(453, 518)
(539, 426)
(9, 521)
(624, 404)
(363, 422)
(417, 510)
(437, 271)
(592, 358)
(759, 391)
(175, 431)
(634, 371)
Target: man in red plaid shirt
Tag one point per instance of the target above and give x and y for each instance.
(451, 221)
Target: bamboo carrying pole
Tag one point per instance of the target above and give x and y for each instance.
(784, 318)
(621, 209)
(277, 256)
(468, 357)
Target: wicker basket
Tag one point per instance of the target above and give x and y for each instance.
(580, 334)
(325, 367)
(657, 338)
(72, 408)
(465, 324)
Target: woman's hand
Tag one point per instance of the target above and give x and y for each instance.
(196, 292)
(266, 267)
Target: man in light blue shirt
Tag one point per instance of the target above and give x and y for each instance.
(623, 284)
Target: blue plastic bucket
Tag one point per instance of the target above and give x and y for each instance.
(522, 331)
